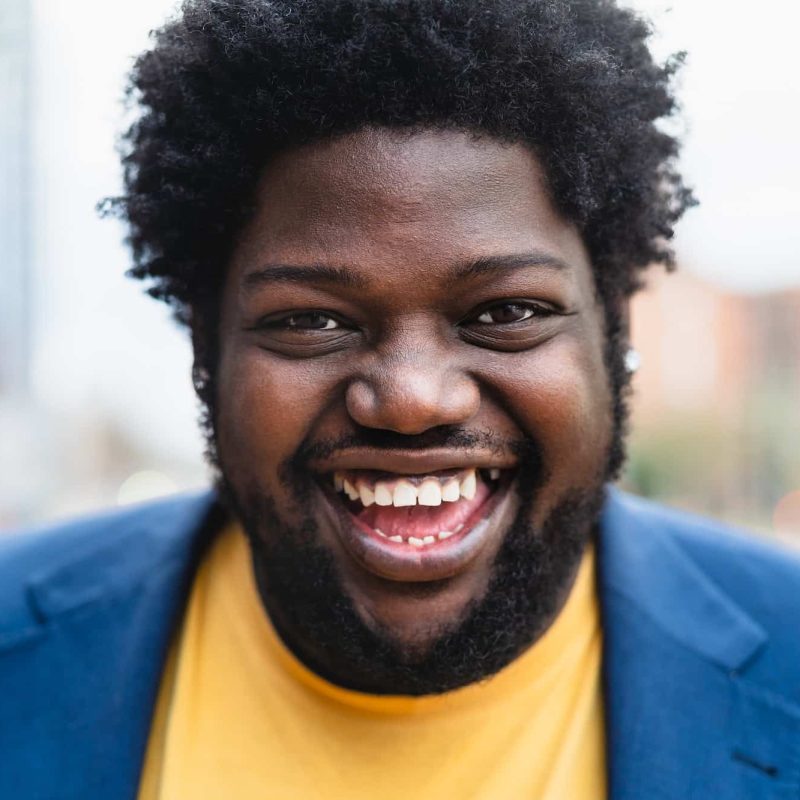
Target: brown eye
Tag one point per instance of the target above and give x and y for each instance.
(311, 321)
(508, 313)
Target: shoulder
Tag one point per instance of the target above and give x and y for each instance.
(104, 546)
(754, 572)
(733, 557)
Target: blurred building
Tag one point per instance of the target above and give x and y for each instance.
(717, 399)
(708, 347)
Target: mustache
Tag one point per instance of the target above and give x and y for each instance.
(526, 449)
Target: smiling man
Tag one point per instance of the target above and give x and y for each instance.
(412, 404)
(403, 235)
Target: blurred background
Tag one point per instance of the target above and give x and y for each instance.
(96, 406)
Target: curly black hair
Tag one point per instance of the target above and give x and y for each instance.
(228, 83)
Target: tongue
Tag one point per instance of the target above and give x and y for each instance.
(421, 521)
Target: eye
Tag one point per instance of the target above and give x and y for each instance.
(509, 313)
(310, 321)
(305, 333)
(512, 325)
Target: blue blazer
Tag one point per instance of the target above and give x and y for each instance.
(701, 660)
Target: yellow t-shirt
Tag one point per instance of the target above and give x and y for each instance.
(239, 717)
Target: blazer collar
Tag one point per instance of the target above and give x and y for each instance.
(682, 718)
(158, 537)
(80, 684)
(643, 563)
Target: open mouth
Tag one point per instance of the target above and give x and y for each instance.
(417, 526)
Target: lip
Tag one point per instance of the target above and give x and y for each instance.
(406, 563)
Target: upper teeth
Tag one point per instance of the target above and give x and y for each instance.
(451, 491)
(429, 492)
(402, 492)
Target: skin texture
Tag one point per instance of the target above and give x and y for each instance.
(406, 362)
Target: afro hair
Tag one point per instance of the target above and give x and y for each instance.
(230, 82)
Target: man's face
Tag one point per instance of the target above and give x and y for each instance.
(408, 319)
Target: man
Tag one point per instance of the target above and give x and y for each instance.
(403, 235)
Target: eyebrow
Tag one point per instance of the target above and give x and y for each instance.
(307, 273)
(489, 264)
(347, 278)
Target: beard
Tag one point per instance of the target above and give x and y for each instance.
(302, 592)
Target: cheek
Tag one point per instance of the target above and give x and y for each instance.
(560, 395)
(266, 406)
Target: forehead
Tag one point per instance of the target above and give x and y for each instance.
(402, 199)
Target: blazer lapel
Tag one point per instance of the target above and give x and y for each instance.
(683, 720)
(106, 618)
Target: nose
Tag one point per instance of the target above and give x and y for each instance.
(411, 394)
